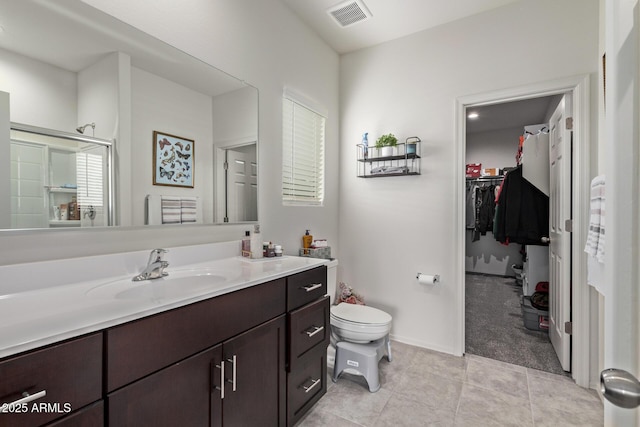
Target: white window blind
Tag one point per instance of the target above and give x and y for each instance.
(90, 178)
(302, 154)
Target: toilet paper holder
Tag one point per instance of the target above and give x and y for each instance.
(426, 279)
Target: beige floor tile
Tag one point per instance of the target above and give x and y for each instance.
(494, 377)
(320, 418)
(479, 407)
(493, 362)
(431, 389)
(425, 388)
(550, 395)
(353, 402)
(445, 365)
(401, 412)
(554, 417)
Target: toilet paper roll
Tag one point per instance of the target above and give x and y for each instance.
(426, 279)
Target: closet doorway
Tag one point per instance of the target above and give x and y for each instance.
(583, 357)
(506, 300)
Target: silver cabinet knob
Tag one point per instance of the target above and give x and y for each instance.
(620, 388)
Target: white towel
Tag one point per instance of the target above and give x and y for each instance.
(171, 210)
(595, 235)
(188, 209)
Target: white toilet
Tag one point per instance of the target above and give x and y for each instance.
(359, 334)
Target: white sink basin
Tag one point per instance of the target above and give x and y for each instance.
(177, 284)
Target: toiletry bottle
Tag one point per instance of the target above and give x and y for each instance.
(271, 252)
(278, 250)
(306, 240)
(256, 243)
(246, 244)
(365, 144)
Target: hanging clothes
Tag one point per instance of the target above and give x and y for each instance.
(522, 213)
(470, 206)
(486, 207)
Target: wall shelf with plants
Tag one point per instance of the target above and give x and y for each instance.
(388, 157)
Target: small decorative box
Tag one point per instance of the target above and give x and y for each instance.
(316, 252)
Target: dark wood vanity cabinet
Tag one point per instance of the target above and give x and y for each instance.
(256, 356)
(308, 335)
(216, 362)
(67, 376)
(238, 383)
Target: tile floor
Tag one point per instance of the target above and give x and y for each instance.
(426, 388)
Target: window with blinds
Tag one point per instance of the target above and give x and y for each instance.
(90, 176)
(302, 154)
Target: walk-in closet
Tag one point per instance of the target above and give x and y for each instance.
(507, 233)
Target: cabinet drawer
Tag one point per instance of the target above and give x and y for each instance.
(308, 327)
(302, 288)
(91, 416)
(145, 346)
(306, 385)
(69, 373)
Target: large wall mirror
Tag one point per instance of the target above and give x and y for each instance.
(74, 70)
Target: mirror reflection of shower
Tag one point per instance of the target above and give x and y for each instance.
(58, 179)
(80, 129)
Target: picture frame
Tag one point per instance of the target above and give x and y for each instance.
(173, 160)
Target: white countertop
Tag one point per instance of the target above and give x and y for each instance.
(36, 317)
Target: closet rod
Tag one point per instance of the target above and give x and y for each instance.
(486, 178)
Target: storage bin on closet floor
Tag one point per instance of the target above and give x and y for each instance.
(534, 319)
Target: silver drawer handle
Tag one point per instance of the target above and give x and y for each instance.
(25, 399)
(233, 375)
(314, 383)
(313, 287)
(221, 388)
(315, 331)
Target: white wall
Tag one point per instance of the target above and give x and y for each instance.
(161, 105)
(5, 160)
(392, 228)
(235, 117)
(41, 94)
(238, 37)
(494, 148)
(98, 89)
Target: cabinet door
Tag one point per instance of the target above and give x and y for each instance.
(181, 394)
(255, 372)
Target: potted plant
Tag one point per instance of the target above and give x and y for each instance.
(386, 143)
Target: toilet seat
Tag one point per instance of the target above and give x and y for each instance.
(360, 314)
(359, 323)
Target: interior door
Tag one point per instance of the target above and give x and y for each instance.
(560, 243)
(241, 186)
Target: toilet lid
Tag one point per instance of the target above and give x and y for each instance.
(360, 314)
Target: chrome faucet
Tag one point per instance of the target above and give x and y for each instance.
(155, 266)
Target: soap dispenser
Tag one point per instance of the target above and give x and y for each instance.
(256, 243)
(307, 239)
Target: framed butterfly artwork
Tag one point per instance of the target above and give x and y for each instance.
(173, 160)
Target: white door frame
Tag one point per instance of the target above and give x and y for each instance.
(578, 87)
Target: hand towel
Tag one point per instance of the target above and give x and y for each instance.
(188, 209)
(171, 210)
(595, 235)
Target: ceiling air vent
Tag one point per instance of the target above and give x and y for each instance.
(349, 12)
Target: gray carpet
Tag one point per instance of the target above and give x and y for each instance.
(495, 328)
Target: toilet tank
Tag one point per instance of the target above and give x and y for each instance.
(332, 279)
